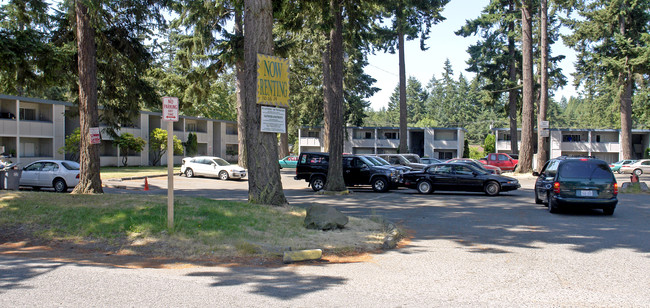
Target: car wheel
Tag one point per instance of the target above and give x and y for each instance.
(425, 187)
(379, 184)
(189, 173)
(552, 204)
(60, 186)
(492, 188)
(223, 175)
(537, 199)
(609, 211)
(638, 172)
(317, 183)
(620, 171)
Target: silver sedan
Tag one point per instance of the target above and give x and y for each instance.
(57, 174)
(640, 167)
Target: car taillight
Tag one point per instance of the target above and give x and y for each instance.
(615, 189)
(76, 177)
(556, 187)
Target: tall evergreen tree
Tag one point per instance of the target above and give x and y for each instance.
(410, 19)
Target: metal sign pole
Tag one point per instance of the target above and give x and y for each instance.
(170, 175)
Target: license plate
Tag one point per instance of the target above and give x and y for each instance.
(586, 193)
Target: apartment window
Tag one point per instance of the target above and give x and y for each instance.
(231, 129)
(597, 138)
(445, 155)
(28, 114)
(390, 135)
(570, 138)
(312, 134)
(191, 127)
(506, 137)
(368, 135)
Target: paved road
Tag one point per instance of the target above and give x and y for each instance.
(466, 250)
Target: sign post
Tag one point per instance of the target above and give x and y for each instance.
(170, 114)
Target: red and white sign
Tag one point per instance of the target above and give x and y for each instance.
(95, 137)
(170, 108)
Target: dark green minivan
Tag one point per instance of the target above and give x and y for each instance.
(576, 182)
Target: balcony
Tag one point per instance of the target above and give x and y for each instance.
(309, 142)
(388, 143)
(575, 146)
(36, 128)
(445, 144)
(606, 147)
(363, 143)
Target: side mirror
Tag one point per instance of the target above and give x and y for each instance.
(535, 173)
(365, 167)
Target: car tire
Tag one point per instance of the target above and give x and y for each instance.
(609, 211)
(552, 205)
(60, 185)
(620, 171)
(425, 187)
(492, 188)
(189, 172)
(224, 175)
(638, 172)
(317, 183)
(379, 184)
(537, 199)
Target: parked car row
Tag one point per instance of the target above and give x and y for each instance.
(372, 170)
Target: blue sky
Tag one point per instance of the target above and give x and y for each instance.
(444, 44)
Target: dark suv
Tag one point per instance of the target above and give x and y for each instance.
(576, 182)
(357, 170)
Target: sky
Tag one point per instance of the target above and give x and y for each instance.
(444, 44)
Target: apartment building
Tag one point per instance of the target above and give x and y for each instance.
(443, 143)
(33, 129)
(601, 143)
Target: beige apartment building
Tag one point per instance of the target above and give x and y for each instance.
(33, 129)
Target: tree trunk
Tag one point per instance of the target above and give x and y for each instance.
(239, 71)
(327, 97)
(625, 98)
(512, 94)
(335, 180)
(542, 142)
(284, 143)
(403, 119)
(526, 153)
(89, 177)
(264, 182)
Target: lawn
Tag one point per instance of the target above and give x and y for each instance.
(203, 228)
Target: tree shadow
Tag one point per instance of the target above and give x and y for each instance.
(15, 271)
(281, 284)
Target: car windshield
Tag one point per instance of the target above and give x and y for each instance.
(382, 161)
(411, 158)
(221, 162)
(368, 161)
(70, 165)
(582, 170)
(378, 160)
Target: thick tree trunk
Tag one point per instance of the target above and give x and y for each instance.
(626, 116)
(542, 142)
(284, 144)
(335, 180)
(89, 177)
(264, 182)
(625, 98)
(512, 94)
(403, 119)
(526, 153)
(327, 97)
(239, 71)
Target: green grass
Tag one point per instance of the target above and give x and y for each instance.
(124, 172)
(138, 224)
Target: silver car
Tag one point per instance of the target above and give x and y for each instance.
(211, 166)
(640, 167)
(57, 174)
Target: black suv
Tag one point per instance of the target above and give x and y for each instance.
(576, 182)
(357, 170)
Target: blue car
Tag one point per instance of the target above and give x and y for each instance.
(616, 167)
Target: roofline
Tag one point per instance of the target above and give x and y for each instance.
(389, 127)
(579, 130)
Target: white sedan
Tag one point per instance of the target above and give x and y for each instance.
(211, 166)
(639, 167)
(57, 174)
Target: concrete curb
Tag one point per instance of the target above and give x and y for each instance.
(302, 255)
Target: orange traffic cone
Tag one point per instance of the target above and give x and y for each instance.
(146, 184)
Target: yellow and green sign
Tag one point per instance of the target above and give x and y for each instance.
(272, 81)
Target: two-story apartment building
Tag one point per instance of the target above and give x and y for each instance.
(444, 143)
(600, 143)
(33, 129)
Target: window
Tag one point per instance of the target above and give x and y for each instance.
(312, 134)
(231, 129)
(493, 157)
(462, 170)
(49, 166)
(570, 138)
(390, 135)
(28, 114)
(443, 169)
(503, 157)
(597, 138)
(445, 155)
(506, 137)
(191, 127)
(34, 167)
(232, 149)
(368, 135)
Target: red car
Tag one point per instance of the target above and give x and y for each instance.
(501, 160)
(477, 164)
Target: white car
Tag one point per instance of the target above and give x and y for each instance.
(211, 166)
(57, 174)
